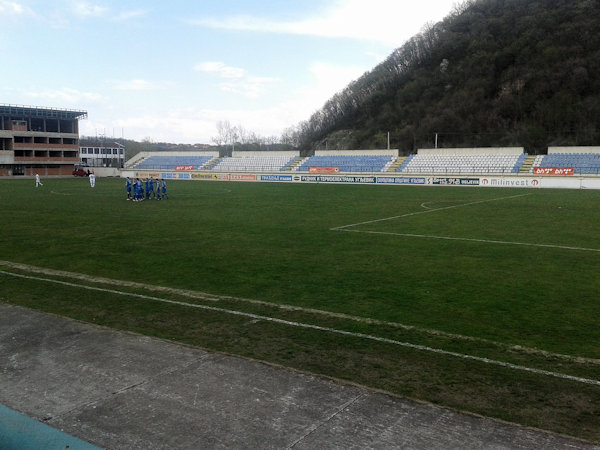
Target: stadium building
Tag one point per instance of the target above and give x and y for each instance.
(38, 140)
(96, 154)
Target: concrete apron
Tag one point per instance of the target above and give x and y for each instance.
(121, 390)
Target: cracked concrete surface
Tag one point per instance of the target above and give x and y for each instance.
(121, 390)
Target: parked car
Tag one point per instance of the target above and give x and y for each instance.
(79, 172)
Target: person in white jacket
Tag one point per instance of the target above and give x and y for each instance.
(38, 182)
(92, 179)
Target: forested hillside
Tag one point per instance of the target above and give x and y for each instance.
(492, 73)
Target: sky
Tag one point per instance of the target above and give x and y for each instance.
(169, 71)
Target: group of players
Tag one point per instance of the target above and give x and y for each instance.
(139, 190)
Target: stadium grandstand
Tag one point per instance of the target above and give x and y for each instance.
(256, 162)
(503, 161)
(349, 161)
(210, 161)
(582, 160)
(465, 161)
(38, 140)
(171, 161)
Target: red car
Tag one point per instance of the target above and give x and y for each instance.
(80, 172)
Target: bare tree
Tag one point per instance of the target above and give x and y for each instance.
(222, 133)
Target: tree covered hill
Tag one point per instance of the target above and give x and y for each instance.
(492, 73)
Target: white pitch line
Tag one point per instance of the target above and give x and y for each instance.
(203, 296)
(427, 211)
(325, 329)
(449, 238)
(486, 241)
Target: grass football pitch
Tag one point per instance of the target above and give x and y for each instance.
(486, 300)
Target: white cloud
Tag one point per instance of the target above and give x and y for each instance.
(389, 22)
(140, 85)
(199, 125)
(220, 69)
(175, 126)
(186, 125)
(64, 96)
(326, 80)
(10, 9)
(128, 15)
(86, 9)
(237, 80)
(330, 78)
(251, 87)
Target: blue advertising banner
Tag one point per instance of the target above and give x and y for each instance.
(181, 176)
(337, 179)
(275, 178)
(401, 180)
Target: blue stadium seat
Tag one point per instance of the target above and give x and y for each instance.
(581, 163)
(170, 162)
(348, 163)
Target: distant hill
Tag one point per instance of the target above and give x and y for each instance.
(492, 73)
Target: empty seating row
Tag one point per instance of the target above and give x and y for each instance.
(349, 163)
(581, 163)
(459, 164)
(252, 164)
(171, 162)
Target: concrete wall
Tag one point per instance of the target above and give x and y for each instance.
(136, 158)
(472, 151)
(7, 157)
(238, 154)
(106, 171)
(391, 152)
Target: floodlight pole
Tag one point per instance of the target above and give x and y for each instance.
(436, 139)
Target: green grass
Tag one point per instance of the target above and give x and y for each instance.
(275, 243)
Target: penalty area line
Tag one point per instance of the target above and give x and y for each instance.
(320, 328)
(343, 227)
(485, 241)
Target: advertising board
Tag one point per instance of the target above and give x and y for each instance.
(562, 171)
(324, 169)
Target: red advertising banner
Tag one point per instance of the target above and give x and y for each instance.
(184, 167)
(324, 169)
(564, 171)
